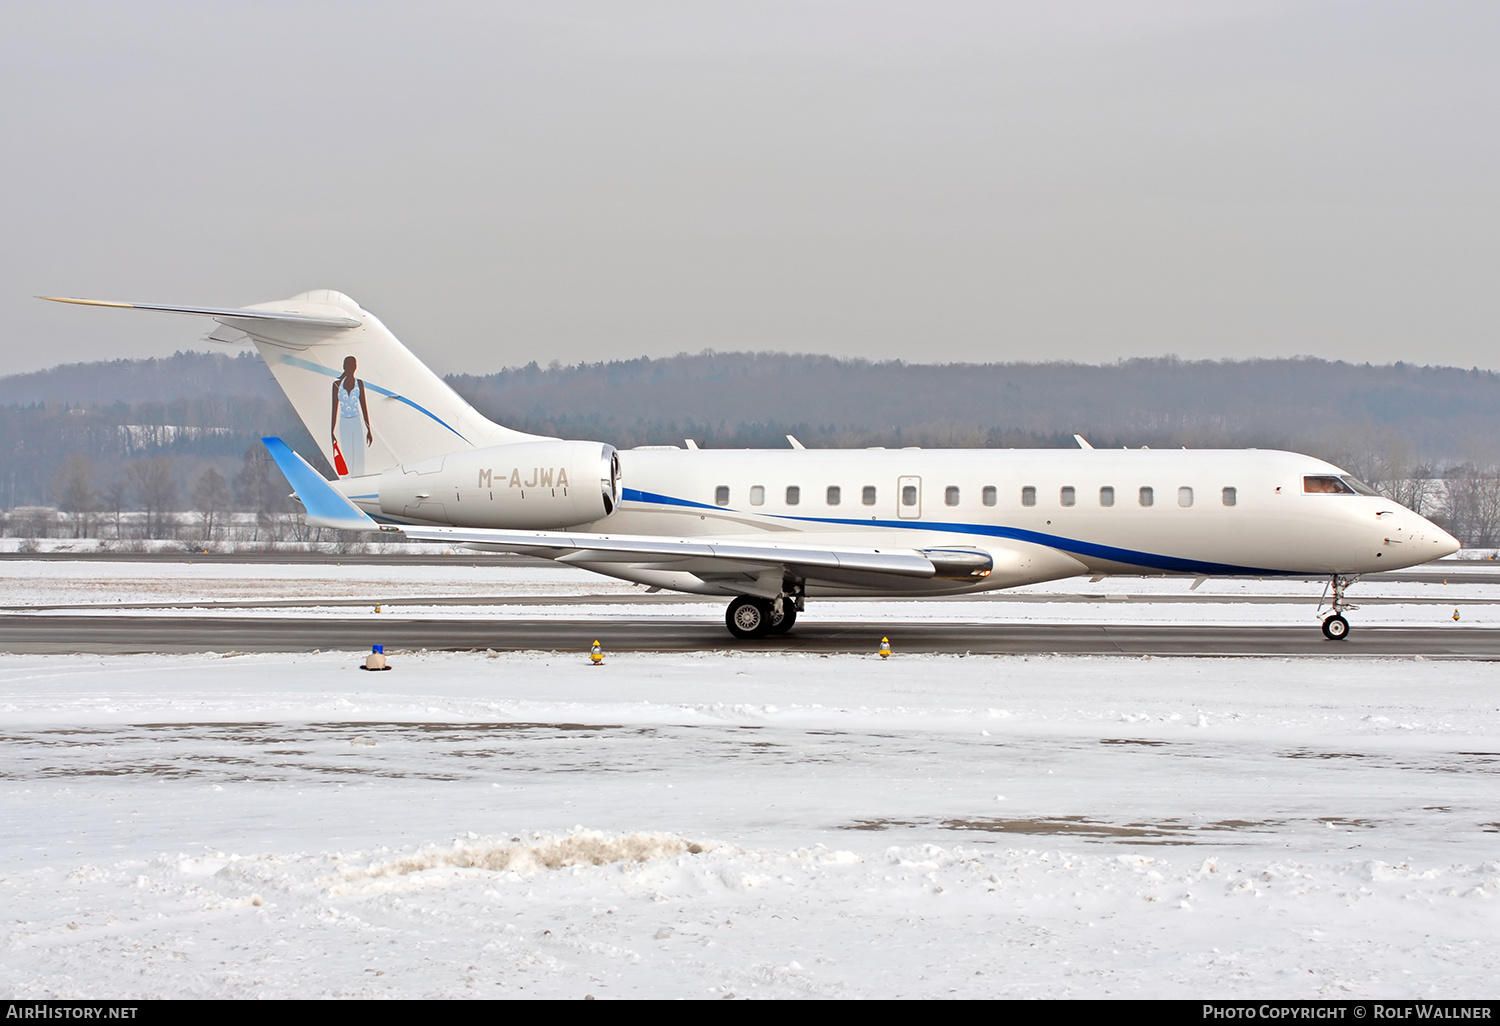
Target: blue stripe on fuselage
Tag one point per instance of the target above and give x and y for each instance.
(1073, 546)
(632, 495)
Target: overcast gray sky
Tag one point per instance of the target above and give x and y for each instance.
(927, 181)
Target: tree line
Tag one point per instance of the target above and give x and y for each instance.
(174, 442)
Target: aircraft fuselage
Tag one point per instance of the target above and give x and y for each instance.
(1070, 511)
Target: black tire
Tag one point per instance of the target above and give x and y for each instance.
(783, 623)
(748, 617)
(1336, 628)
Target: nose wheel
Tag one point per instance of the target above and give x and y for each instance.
(1335, 628)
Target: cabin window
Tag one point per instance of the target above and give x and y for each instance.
(908, 495)
(758, 495)
(950, 495)
(1028, 495)
(1184, 497)
(1148, 496)
(1106, 496)
(1068, 496)
(990, 495)
(793, 495)
(833, 495)
(721, 495)
(868, 495)
(1230, 496)
(1326, 484)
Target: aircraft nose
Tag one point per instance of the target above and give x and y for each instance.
(1442, 543)
(1447, 544)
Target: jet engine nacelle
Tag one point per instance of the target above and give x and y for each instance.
(522, 486)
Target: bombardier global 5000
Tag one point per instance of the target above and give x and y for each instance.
(772, 529)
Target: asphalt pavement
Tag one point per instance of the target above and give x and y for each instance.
(123, 633)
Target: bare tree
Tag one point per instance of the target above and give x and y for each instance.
(1392, 469)
(1470, 505)
(210, 498)
(258, 489)
(112, 499)
(73, 489)
(151, 480)
(1418, 489)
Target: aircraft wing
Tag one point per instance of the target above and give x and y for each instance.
(725, 556)
(327, 508)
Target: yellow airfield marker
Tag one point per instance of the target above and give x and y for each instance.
(885, 648)
(1455, 614)
(596, 654)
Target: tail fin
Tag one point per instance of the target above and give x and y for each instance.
(352, 383)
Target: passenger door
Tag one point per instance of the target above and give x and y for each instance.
(909, 498)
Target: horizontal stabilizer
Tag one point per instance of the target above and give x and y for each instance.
(309, 320)
(325, 507)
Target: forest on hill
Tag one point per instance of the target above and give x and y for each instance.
(84, 433)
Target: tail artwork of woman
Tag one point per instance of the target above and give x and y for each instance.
(351, 422)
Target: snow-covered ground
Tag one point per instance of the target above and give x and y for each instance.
(750, 824)
(369, 544)
(54, 583)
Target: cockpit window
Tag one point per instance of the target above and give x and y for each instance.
(1326, 484)
(1358, 485)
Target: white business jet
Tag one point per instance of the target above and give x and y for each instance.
(772, 529)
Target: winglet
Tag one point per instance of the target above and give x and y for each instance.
(325, 507)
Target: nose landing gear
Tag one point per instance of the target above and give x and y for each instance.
(1335, 625)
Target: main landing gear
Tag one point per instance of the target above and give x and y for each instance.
(752, 617)
(1335, 626)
